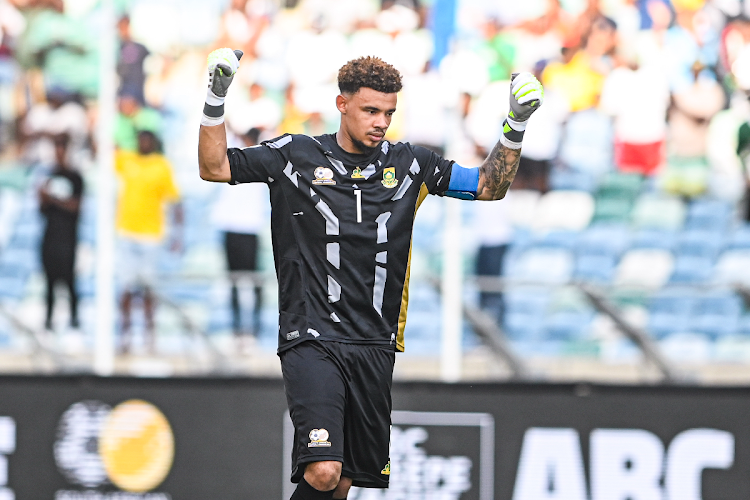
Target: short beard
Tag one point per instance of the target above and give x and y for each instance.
(366, 150)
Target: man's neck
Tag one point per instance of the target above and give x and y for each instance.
(351, 146)
(345, 142)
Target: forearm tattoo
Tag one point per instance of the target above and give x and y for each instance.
(498, 171)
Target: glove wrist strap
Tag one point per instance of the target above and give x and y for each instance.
(516, 125)
(213, 110)
(512, 137)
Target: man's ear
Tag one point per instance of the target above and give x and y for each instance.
(341, 102)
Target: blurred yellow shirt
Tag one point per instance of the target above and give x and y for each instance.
(146, 185)
(576, 80)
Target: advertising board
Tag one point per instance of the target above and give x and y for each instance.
(70, 438)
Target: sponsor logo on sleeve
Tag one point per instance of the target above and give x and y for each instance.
(318, 439)
(292, 335)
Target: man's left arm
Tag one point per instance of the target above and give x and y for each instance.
(499, 168)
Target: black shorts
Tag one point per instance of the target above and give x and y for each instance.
(339, 398)
(241, 251)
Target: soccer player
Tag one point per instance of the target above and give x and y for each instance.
(343, 207)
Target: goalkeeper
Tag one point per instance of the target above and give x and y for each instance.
(343, 207)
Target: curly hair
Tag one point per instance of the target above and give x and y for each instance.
(370, 72)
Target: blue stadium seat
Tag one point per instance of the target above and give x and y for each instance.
(595, 268)
(12, 287)
(717, 314)
(740, 238)
(692, 270)
(743, 325)
(567, 325)
(571, 180)
(540, 265)
(660, 239)
(701, 242)
(566, 240)
(710, 214)
(524, 313)
(670, 312)
(604, 239)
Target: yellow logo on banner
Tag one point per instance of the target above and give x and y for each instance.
(136, 445)
(389, 178)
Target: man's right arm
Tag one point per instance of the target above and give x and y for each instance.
(212, 154)
(212, 140)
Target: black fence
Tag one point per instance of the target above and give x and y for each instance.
(94, 438)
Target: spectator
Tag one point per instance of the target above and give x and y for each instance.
(690, 39)
(60, 114)
(132, 118)
(689, 117)
(147, 185)
(637, 98)
(541, 145)
(494, 234)
(60, 203)
(260, 111)
(581, 73)
(12, 24)
(240, 213)
(130, 63)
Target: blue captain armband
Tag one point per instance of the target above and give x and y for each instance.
(464, 183)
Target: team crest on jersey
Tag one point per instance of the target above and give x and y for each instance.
(324, 176)
(357, 173)
(387, 469)
(318, 439)
(389, 178)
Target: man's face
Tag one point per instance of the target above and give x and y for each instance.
(146, 143)
(366, 116)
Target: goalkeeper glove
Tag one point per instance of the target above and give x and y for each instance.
(526, 95)
(222, 66)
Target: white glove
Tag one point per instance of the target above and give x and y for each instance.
(222, 66)
(526, 95)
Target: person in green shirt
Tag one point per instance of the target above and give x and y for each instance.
(131, 118)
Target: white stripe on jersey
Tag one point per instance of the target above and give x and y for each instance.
(369, 171)
(402, 190)
(332, 222)
(414, 169)
(338, 164)
(292, 175)
(378, 290)
(382, 230)
(334, 290)
(280, 143)
(332, 253)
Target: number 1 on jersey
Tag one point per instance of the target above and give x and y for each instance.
(358, 195)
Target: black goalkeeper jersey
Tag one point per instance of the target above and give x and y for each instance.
(341, 227)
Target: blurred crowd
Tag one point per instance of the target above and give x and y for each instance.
(654, 87)
(657, 87)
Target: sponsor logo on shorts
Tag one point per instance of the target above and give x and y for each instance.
(318, 439)
(387, 469)
(389, 178)
(292, 335)
(324, 176)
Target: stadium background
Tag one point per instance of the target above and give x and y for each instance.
(613, 271)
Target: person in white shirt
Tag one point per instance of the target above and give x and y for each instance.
(241, 213)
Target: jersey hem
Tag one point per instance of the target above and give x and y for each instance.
(385, 343)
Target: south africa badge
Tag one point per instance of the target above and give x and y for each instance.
(389, 178)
